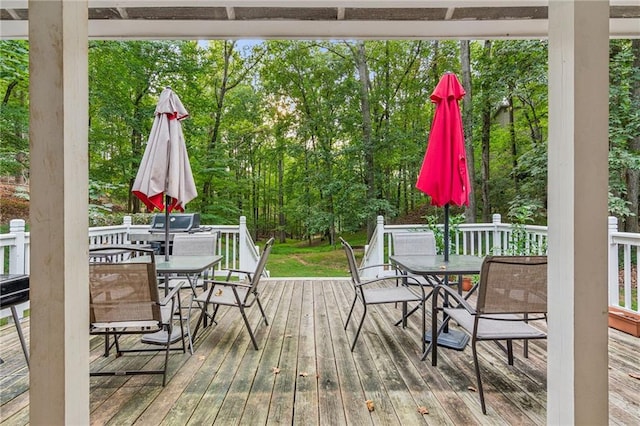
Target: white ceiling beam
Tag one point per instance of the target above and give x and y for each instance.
(322, 30)
(199, 30)
(23, 4)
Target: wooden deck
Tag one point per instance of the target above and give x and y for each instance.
(304, 373)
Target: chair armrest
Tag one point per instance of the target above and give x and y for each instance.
(166, 299)
(241, 271)
(380, 265)
(227, 283)
(404, 277)
(454, 295)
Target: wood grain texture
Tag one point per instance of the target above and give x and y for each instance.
(319, 380)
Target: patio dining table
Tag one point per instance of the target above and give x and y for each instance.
(437, 271)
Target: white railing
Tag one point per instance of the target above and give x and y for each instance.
(623, 247)
(481, 239)
(235, 244)
(475, 239)
(240, 252)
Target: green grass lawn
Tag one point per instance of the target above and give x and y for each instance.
(299, 259)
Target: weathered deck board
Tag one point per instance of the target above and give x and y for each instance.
(226, 381)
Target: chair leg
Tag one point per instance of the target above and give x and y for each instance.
(264, 316)
(510, 351)
(166, 354)
(353, 305)
(355, 339)
(478, 379)
(246, 322)
(424, 326)
(188, 325)
(414, 309)
(203, 313)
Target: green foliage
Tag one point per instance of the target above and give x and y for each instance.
(276, 128)
(434, 224)
(520, 214)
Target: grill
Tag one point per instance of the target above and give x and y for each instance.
(14, 289)
(179, 222)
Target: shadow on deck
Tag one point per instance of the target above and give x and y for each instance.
(305, 374)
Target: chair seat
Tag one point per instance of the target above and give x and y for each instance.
(495, 327)
(223, 295)
(374, 296)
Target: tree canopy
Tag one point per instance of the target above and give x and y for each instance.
(319, 137)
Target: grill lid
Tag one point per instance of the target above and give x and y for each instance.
(178, 222)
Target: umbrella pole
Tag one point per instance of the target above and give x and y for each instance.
(166, 227)
(446, 233)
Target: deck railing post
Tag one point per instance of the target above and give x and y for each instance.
(380, 246)
(244, 256)
(614, 298)
(17, 253)
(496, 248)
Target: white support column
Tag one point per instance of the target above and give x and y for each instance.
(578, 178)
(58, 67)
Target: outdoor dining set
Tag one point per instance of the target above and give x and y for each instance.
(511, 295)
(140, 293)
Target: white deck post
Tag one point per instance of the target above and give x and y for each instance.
(578, 178)
(613, 263)
(58, 91)
(496, 219)
(17, 254)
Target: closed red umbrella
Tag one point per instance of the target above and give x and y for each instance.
(164, 177)
(443, 174)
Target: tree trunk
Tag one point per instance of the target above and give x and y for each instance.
(633, 175)
(281, 218)
(512, 137)
(486, 139)
(467, 124)
(369, 177)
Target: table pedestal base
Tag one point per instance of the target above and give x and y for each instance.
(453, 339)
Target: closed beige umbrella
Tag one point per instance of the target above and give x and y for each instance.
(164, 178)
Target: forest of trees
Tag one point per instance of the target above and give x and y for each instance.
(319, 137)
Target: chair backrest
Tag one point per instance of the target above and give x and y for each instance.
(123, 292)
(351, 260)
(257, 274)
(194, 244)
(423, 242)
(513, 284)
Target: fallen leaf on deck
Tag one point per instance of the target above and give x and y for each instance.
(370, 406)
(303, 374)
(472, 389)
(423, 410)
(219, 292)
(634, 375)
(276, 370)
(201, 358)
